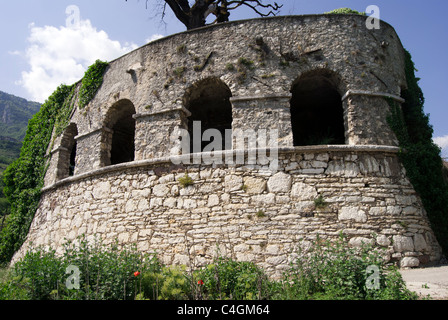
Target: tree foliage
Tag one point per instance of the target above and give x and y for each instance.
(194, 15)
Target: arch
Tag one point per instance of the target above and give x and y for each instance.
(208, 101)
(120, 145)
(67, 153)
(317, 115)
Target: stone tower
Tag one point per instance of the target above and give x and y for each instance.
(316, 83)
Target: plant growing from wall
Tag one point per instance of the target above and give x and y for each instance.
(24, 178)
(91, 82)
(420, 155)
(185, 181)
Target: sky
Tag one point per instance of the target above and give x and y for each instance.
(43, 45)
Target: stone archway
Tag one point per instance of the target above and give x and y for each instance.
(120, 144)
(316, 109)
(208, 101)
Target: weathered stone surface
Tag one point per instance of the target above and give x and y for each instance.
(420, 243)
(233, 183)
(280, 182)
(403, 243)
(302, 191)
(352, 213)
(254, 185)
(409, 262)
(360, 241)
(383, 240)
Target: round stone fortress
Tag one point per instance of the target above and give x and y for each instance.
(315, 85)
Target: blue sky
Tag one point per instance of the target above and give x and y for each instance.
(38, 51)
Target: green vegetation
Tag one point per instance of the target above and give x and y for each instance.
(325, 271)
(420, 155)
(16, 112)
(91, 82)
(23, 179)
(185, 181)
(345, 11)
(319, 202)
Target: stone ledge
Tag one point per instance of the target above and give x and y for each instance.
(262, 97)
(150, 114)
(372, 94)
(228, 153)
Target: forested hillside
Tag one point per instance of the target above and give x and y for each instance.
(15, 113)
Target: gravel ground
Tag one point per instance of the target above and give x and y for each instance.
(428, 281)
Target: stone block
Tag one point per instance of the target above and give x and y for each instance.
(160, 190)
(403, 243)
(233, 183)
(352, 213)
(360, 241)
(303, 192)
(280, 182)
(409, 262)
(383, 240)
(420, 243)
(255, 185)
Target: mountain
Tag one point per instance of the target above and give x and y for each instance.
(15, 113)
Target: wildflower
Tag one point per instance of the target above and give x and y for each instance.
(200, 282)
(136, 274)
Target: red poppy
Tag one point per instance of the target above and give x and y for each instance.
(136, 274)
(200, 282)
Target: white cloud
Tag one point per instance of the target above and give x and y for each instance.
(154, 37)
(442, 142)
(62, 55)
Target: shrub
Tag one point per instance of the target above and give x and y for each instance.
(336, 271)
(105, 273)
(228, 279)
(185, 181)
(169, 283)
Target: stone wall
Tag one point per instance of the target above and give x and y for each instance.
(247, 212)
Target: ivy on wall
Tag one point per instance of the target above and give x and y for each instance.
(91, 82)
(420, 155)
(24, 178)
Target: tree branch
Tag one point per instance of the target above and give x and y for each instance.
(254, 4)
(181, 9)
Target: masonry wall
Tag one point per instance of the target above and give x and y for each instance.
(247, 211)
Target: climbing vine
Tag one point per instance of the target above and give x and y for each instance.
(24, 178)
(91, 82)
(420, 155)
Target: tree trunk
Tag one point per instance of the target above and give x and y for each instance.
(195, 21)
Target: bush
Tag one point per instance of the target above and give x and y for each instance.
(325, 270)
(169, 283)
(336, 271)
(105, 273)
(228, 279)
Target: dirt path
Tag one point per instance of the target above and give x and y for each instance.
(428, 281)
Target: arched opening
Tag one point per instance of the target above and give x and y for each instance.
(120, 120)
(67, 153)
(209, 104)
(316, 110)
